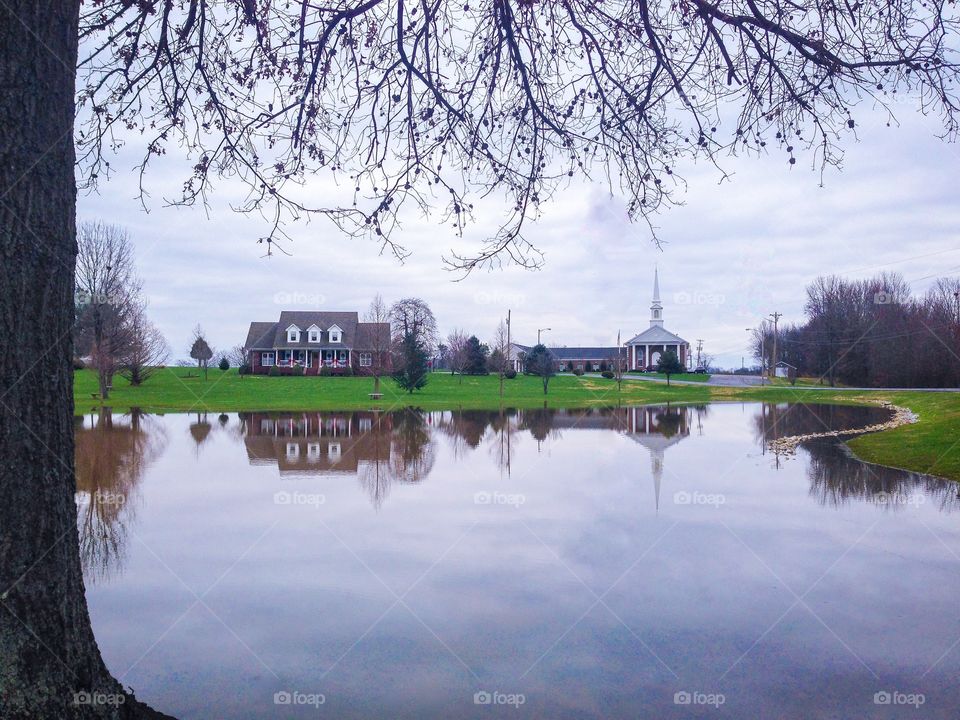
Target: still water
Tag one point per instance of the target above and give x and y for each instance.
(651, 562)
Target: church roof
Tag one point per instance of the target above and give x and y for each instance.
(656, 335)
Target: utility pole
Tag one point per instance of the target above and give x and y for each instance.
(773, 363)
(699, 350)
(509, 346)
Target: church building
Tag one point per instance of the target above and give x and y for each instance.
(645, 349)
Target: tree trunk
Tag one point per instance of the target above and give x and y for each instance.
(47, 650)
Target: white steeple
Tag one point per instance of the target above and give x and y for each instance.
(656, 309)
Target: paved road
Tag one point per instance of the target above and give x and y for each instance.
(757, 380)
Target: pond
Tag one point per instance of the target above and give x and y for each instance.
(622, 563)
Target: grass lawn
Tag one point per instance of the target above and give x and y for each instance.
(929, 446)
(686, 377)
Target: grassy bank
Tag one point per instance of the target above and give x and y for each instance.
(930, 446)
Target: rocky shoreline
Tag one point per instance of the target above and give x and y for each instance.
(901, 416)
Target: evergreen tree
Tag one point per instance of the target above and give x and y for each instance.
(669, 364)
(476, 356)
(541, 363)
(411, 364)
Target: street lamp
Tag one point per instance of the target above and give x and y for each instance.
(540, 330)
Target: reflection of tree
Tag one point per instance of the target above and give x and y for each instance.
(111, 458)
(539, 422)
(465, 428)
(200, 430)
(411, 452)
(837, 477)
(788, 419)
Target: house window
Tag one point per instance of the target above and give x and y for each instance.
(334, 451)
(596, 366)
(365, 424)
(561, 367)
(366, 359)
(313, 452)
(266, 359)
(293, 334)
(300, 356)
(285, 358)
(314, 335)
(336, 335)
(293, 451)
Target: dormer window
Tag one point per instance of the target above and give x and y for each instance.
(313, 334)
(293, 334)
(336, 334)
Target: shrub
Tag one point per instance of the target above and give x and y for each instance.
(578, 371)
(326, 371)
(510, 374)
(274, 371)
(224, 364)
(347, 371)
(297, 370)
(608, 374)
(244, 369)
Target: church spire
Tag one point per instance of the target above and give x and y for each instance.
(656, 308)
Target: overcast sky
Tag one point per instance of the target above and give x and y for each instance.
(733, 253)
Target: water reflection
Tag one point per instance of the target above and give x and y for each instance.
(112, 454)
(504, 597)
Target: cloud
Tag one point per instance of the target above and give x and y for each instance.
(733, 252)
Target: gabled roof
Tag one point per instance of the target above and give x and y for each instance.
(369, 333)
(583, 353)
(347, 321)
(356, 335)
(656, 335)
(260, 335)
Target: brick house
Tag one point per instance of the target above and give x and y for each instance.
(316, 340)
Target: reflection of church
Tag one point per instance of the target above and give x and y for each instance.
(316, 442)
(658, 428)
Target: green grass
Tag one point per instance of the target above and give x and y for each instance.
(929, 446)
(686, 377)
(181, 389)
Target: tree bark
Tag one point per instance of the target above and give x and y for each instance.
(47, 650)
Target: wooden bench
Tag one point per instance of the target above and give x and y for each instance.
(376, 396)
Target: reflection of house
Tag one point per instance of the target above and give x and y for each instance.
(317, 442)
(646, 348)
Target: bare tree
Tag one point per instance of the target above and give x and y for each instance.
(379, 339)
(412, 317)
(500, 352)
(409, 101)
(619, 363)
(107, 290)
(237, 356)
(457, 358)
(146, 349)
